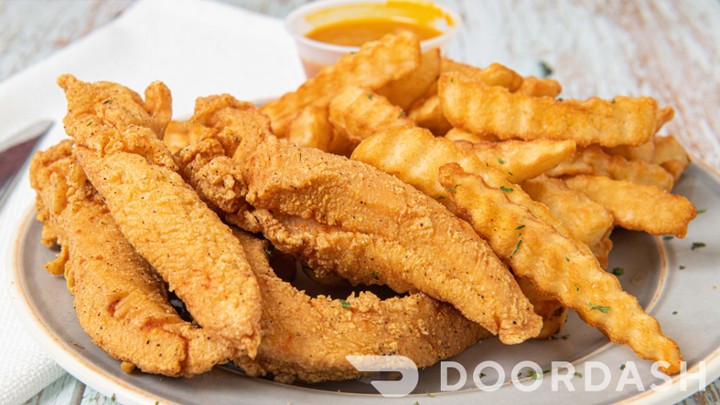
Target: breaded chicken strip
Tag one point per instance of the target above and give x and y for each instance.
(308, 338)
(367, 226)
(120, 301)
(358, 221)
(163, 218)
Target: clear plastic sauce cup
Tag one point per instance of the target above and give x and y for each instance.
(364, 18)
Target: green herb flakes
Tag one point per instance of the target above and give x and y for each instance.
(697, 245)
(601, 308)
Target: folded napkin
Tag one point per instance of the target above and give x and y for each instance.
(197, 48)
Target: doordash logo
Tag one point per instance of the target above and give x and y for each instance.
(526, 376)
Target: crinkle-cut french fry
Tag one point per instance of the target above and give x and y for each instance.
(477, 107)
(534, 87)
(409, 88)
(493, 75)
(636, 206)
(312, 129)
(642, 152)
(427, 114)
(566, 270)
(521, 160)
(592, 160)
(177, 135)
(589, 221)
(557, 264)
(457, 134)
(552, 312)
(427, 111)
(664, 116)
(357, 113)
(671, 155)
(373, 66)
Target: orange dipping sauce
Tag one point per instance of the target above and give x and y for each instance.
(327, 30)
(357, 32)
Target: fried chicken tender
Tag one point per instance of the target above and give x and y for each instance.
(120, 302)
(308, 338)
(163, 218)
(537, 246)
(371, 228)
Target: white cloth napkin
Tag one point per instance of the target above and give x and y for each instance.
(197, 48)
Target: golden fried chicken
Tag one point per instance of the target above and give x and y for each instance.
(308, 338)
(120, 301)
(118, 148)
(367, 226)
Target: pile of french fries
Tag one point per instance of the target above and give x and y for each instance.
(596, 163)
(431, 121)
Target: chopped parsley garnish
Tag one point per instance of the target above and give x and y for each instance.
(702, 211)
(567, 260)
(344, 303)
(442, 197)
(618, 271)
(369, 96)
(430, 395)
(506, 189)
(89, 123)
(268, 251)
(375, 276)
(622, 366)
(612, 101)
(697, 245)
(578, 374)
(106, 102)
(565, 337)
(500, 161)
(533, 374)
(454, 189)
(545, 69)
(674, 312)
(517, 247)
(600, 308)
(682, 267)
(482, 375)
(519, 227)
(560, 99)
(402, 114)
(668, 237)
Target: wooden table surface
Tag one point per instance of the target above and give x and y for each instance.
(666, 49)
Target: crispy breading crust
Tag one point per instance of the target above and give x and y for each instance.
(159, 214)
(308, 338)
(373, 230)
(120, 301)
(347, 216)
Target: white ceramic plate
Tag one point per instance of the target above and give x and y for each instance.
(686, 302)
